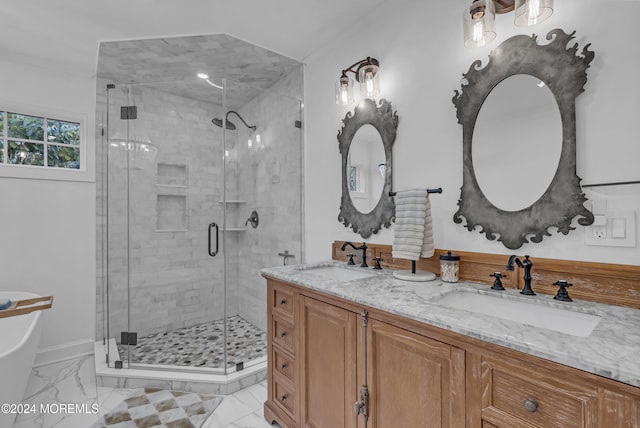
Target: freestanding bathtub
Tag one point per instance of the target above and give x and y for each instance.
(19, 339)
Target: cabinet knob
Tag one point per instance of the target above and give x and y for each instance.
(283, 397)
(283, 301)
(283, 366)
(531, 405)
(283, 334)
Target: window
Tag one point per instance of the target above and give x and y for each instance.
(39, 142)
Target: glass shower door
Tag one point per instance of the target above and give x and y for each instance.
(201, 192)
(263, 185)
(166, 291)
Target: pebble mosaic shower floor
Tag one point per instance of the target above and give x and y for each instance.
(201, 345)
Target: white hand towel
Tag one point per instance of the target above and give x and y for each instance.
(413, 231)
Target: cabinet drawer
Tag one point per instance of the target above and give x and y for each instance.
(283, 363)
(512, 400)
(282, 333)
(283, 396)
(282, 300)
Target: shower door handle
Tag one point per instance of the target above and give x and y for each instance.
(212, 226)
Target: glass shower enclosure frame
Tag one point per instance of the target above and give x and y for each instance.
(194, 199)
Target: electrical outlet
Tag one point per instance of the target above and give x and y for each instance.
(612, 229)
(600, 232)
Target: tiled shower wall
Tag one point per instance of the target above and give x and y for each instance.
(271, 179)
(174, 282)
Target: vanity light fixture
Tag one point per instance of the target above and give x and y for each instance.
(366, 72)
(479, 17)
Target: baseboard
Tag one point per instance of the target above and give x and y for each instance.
(65, 351)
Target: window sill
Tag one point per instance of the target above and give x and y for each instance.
(35, 173)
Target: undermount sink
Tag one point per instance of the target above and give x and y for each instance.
(529, 313)
(338, 273)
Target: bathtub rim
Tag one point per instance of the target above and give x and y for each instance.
(32, 326)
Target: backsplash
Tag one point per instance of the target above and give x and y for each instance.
(608, 283)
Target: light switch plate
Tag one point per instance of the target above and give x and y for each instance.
(619, 230)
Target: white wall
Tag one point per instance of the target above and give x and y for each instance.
(422, 58)
(48, 227)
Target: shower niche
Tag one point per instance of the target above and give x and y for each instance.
(192, 311)
(172, 185)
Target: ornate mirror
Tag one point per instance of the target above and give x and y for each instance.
(365, 142)
(513, 131)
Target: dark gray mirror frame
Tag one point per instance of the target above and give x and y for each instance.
(565, 74)
(385, 120)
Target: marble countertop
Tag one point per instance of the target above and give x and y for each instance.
(612, 349)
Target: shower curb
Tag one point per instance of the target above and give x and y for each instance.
(190, 381)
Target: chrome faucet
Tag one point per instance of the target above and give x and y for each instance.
(526, 264)
(362, 247)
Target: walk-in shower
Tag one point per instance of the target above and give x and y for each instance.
(166, 300)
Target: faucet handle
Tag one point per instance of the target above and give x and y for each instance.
(497, 283)
(563, 294)
(377, 265)
(351, 256)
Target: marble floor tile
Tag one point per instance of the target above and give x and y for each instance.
(63, 394)
(252, 420)
(231, 409)
(109, 398)
(73, 382)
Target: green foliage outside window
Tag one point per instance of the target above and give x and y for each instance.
(62, 138)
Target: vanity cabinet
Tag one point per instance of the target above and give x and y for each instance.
(418, 375)
(283, 399)
(413, 381)
(529, 395)
(328, 364)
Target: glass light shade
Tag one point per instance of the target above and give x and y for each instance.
(532, 12)
(478, 23)
(369, 81)
(344, 91)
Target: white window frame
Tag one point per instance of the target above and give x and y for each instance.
(84, 173)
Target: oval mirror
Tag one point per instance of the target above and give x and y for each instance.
(517, 142)
(367, 166)
(365, 142)
(499, 194)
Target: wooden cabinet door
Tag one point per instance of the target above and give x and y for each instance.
(413, 381)
(327, 365)
(618, 410)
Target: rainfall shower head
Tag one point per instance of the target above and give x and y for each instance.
(218, 122)
(230, 125)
